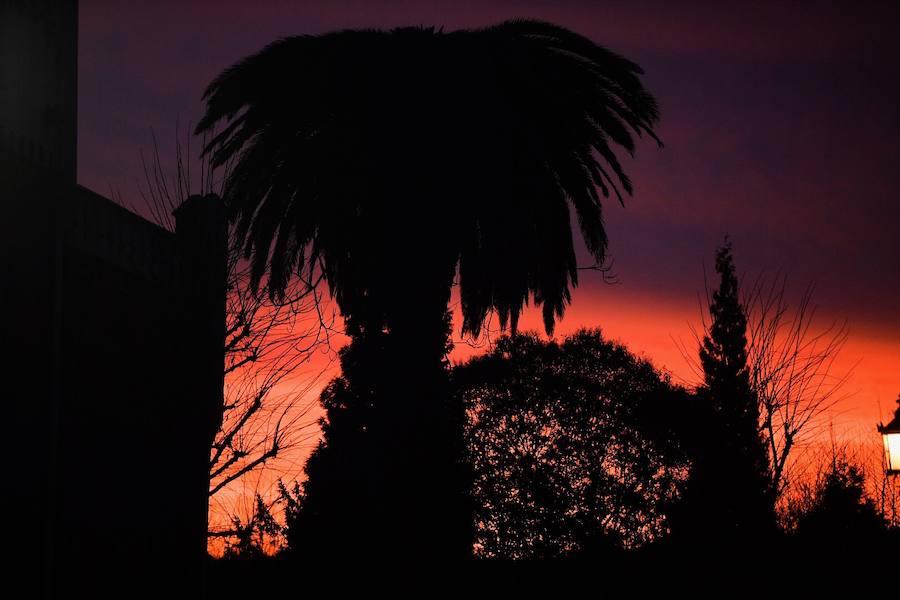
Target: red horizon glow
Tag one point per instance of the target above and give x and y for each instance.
(660, 333)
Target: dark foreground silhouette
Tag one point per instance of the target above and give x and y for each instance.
(581, 455)
(112, 350)
(390, 161)
(392, 164)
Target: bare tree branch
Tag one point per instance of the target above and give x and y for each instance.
(275, 354)
(791, 370)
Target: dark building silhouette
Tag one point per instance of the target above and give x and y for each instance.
(111, 349)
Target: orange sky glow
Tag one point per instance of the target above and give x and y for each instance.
(652, 328)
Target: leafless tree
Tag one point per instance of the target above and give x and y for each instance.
(275, 355)
(264, 530)
(276, 352)
(791, 371)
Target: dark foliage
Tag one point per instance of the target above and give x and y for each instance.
(723, 357)
(357, 149)
(728, 504)
(840, 540)
(840, 515)
(571, 447)
(390, 161)
(387, 480)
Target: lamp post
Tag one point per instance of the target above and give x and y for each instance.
(890, 433)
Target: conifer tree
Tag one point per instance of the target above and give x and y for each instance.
(745, 504)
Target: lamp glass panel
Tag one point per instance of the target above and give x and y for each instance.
(892, 447)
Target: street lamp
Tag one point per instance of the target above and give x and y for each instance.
(891, 435)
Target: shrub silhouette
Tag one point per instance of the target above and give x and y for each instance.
(840, 517)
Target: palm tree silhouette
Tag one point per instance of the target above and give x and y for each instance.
(393, 161)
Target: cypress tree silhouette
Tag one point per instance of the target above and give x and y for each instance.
(729, 500)
(387, 160)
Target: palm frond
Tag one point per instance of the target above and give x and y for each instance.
(338, 139)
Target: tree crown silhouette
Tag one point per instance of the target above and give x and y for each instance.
(354, 149)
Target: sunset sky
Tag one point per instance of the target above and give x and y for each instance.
(780, 122)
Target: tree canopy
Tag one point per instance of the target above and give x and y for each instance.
(571, 445)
